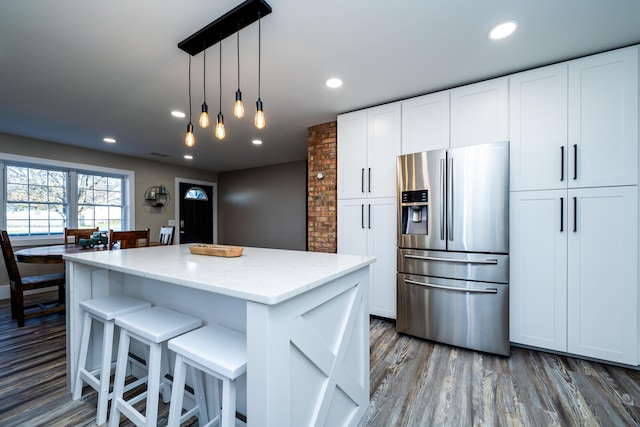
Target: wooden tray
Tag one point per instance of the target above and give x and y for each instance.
(216, 250)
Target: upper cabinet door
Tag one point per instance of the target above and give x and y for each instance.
(425, 123)
(538, 120)
(603, 119)
(383, 147)
(352, 154)
(479, 113)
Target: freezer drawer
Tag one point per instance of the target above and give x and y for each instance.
(455, 265)
(457, 312)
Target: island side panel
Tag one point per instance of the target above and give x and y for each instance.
(308, 357)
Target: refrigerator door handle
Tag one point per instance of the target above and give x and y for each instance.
(443, 186)
(450, 198)
(453, 288)
(458, 260)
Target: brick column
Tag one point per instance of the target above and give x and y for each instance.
(322, 220)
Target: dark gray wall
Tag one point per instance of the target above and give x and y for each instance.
(264, 207)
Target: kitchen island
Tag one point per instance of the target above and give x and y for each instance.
(305, 316)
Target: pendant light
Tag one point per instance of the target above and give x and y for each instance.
(189, 139)
(204, 116)
(220, 133)
(238, 108)
(259, 120)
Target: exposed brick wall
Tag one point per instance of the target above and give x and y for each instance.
(322, 220)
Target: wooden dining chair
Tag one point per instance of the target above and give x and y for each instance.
(166, 235)
(129, 238)
(77, 234)
(19, 285)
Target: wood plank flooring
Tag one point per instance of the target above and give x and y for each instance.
(413, 383)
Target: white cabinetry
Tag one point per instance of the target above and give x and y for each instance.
(574, 230)
(538, 122)
(479, 113)
(368, 145)
(538, 260)
(368, 227)
(603, 273)
(425, 123)
(603, 119)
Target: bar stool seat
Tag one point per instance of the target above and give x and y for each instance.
(152, 327)
(104, 310)
(217, 351)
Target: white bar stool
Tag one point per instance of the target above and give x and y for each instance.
(152, 327)
(217, 351)
(104, 310)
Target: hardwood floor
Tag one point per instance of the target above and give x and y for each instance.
(418, 383)
(413, 383)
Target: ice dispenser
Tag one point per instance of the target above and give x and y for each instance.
(414, 211)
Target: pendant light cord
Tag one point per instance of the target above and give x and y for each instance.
(238, 50)
(189, 88)
(204, 77)
(220, 72)
(259, 49)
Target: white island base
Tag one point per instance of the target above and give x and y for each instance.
(305, 316)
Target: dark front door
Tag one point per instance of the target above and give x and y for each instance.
(196, 213)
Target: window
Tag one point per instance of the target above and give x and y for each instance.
(39, 200)
(36, 201)
(196, 193)
(99, 202)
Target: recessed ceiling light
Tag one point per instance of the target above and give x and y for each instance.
(256, 142)
(109, 140)
(334, 83)
(178, 114)
(188, 156)
(503, 30)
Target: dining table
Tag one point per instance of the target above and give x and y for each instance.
(52, 254)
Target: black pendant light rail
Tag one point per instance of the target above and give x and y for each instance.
(231, 22)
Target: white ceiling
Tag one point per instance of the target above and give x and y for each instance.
(74, 71)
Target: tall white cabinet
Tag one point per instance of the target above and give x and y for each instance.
(574, 207)
(368, 144)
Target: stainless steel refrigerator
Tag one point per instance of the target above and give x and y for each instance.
(453, 244)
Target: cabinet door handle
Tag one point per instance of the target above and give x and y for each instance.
(561, 214)
(575, 161)
(362, 215)
(575, 214)
(362, 181)
(369, 180)
(369, 214)
(562, 164)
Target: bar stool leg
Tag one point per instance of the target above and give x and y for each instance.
(105, 372)
(153, 386)
(199, 396)
(228, 403)
(165, 383)
(177, 392)
(118, 386)
(82, 358)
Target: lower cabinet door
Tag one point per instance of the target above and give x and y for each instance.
(368, 227)
(538, 255)
(603, 273)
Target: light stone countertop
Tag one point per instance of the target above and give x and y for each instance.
(267, 276)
